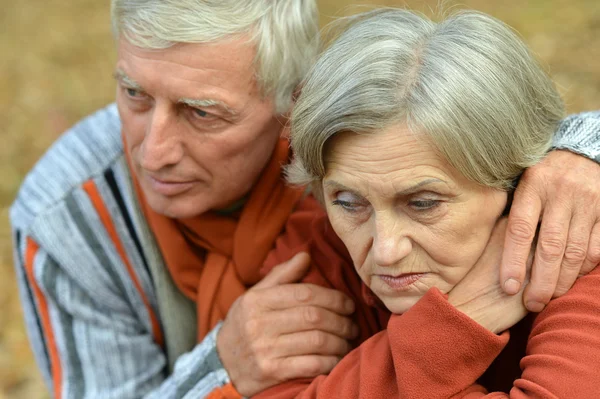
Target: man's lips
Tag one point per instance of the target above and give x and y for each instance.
(402, 281)
(169, 187)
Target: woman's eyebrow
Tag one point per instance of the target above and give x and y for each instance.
(339, 186)
(419, 185)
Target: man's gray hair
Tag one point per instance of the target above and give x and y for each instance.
(284, 33)
(468, 84)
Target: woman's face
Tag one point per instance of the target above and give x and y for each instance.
(408, 218)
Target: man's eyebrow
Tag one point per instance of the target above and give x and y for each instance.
(122, 76)
(200, 103)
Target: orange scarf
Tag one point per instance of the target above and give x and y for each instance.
(214, 258)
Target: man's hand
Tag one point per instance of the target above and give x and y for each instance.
(479, 294)
(279, 331)
(564, 192)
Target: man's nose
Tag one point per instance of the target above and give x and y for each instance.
(162, 145)
(390, 241)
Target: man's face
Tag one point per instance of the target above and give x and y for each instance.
(196, 127)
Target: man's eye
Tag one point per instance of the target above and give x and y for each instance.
(133, 93)
(200, 113)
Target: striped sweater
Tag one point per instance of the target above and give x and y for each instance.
(102, 314)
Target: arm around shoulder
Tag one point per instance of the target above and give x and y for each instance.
(580, 133)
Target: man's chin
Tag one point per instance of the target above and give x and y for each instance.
(177, 208)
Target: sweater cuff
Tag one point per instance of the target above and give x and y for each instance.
(443, 348)
(580, 133)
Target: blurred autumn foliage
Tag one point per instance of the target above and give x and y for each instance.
(55, 67)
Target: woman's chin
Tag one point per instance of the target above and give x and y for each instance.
(399, 305)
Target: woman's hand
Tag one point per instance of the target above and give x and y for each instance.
(480, 295)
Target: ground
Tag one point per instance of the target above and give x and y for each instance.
(56, 66)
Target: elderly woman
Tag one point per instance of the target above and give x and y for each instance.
(413, 134)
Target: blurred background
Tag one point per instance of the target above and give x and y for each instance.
(56, 60)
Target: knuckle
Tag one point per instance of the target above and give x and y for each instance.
(575, 253)
(303, 292)
(345, 327)
(543, 293)
(266, 367)
(318, 340)
(247, 300)
(253, 327)
(551, 248)
(521, 230)
(593, 255)
(312, 315)
(313, 366)
(533, 173)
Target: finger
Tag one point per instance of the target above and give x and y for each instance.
(287, 272)
(522, 224)
(310, 318)
(548, 257)
(575, 252)
(305, 366)
(593, 252)
(312, 343)
(289, 296)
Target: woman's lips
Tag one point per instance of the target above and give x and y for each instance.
(169, 188)
(402, 281)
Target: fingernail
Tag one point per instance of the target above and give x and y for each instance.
(511, 286)
(535, 306)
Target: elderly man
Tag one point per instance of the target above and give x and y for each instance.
(147, 221)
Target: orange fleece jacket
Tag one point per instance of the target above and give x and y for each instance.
(434, 351)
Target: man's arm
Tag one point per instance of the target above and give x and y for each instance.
(563, 192)
(91, 344)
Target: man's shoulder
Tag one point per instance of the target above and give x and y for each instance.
(83, 152)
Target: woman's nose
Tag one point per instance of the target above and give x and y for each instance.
(391, 243)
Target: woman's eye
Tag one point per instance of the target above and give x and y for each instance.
(424, 205)
(348, 202)
(344, 204)
(132, 92)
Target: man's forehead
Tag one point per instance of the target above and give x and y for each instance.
(191, 72)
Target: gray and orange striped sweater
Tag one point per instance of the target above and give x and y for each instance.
(103, 316)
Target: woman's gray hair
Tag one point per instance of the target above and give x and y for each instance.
(284, 32)
(468, 84)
